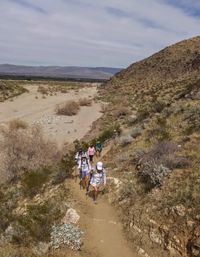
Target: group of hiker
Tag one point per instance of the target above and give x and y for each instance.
(91, 176)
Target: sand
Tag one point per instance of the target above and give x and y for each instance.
(34, 109)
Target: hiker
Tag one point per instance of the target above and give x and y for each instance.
(84, 168)
(77, 159)
(98, 148)
(98, 179)
(91, 152)
(78, 155)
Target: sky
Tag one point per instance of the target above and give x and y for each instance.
(108, 33)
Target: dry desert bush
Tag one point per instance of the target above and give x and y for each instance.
(69, 108)
(17, 124)
(121, 111)
(85, 102)
(25, 149)
(43, 90)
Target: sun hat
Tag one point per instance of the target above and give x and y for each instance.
(99, 166)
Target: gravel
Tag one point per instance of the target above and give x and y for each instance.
(68, 234)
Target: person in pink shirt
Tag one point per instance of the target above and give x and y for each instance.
(91, 152)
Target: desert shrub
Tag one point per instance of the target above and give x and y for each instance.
(109, 133)
(8, 202)
(177, 162)
(158, 106)
(64, 90)
(131, 120)
(33, 181)
(9, 89)
(26, 150)
(18, 124)
(85, 102)
(135, 132)
(39, 220)
(82, 145)
(185, 190)
(69, 108)
(192, 116)
(157, 163)
(121, 111)
(160, 133)
(122, 157)
(131, 189)
(125, 140)
(143, 113)
(5, 218)
(64, 169)
(153, 175)
(43, 90)
(160, 150)
(104, 108)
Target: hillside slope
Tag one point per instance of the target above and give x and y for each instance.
(171, 63)
(156, 102)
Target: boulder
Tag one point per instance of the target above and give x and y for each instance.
(71, 216)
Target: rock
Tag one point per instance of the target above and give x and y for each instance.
(114, 181)
(190, 223)
(132, 119)
(155, 237)
(142, 253)
(41, 249)
(13, 232)
(71, 216)
(179, 210)
(9, 233)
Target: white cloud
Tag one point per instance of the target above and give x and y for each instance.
(89, 32)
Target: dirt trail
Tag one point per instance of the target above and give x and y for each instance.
(103, 231)
(104, 235)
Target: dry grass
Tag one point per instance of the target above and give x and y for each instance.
(18, 124)
(43, 90)
(85, 102)
(69, 108)
(121, 111)
(25, 150)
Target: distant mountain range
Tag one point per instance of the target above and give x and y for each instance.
(65, 72)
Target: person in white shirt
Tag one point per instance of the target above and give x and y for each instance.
(98, 179)
(84, 168)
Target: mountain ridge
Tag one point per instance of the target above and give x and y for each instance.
(59, 71)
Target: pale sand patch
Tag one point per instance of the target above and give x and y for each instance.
(42, 111)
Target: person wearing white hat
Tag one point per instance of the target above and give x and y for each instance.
(98, 178)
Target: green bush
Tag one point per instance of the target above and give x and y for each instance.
(142, 114)
(39, 220)
(109, 133)
(158, 106)
(8, 202)
(64, 169)
(32, 182)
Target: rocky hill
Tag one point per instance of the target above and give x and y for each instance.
(172, 63)
(156, 102)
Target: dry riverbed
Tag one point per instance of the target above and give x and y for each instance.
(34, 109)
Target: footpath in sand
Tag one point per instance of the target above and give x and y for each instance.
(103, 230)
(34, 109)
